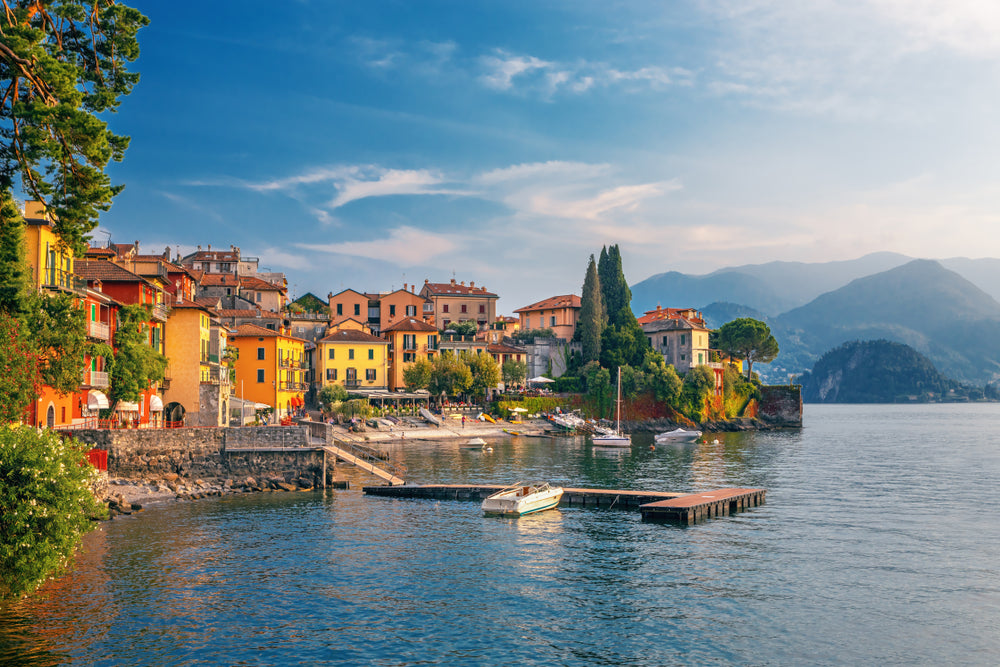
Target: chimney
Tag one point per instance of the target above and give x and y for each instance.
(166, 253)
(210, 247)
(405, 287)
(452, 281)
(472, 284)
(199, 248)
(137, 247)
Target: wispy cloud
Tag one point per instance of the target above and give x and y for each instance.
(405, 246)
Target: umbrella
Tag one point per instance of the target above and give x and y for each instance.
(540, 378)
(518, 410)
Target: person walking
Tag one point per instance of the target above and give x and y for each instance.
(463, 421)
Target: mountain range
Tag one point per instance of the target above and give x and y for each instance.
(946, 310)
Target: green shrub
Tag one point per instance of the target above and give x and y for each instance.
(46, 504)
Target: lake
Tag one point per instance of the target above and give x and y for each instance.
(878, 544)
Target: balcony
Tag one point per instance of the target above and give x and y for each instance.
(99, 330)
(159, 312)
(53, 278)
(352, 384)
(98, 379)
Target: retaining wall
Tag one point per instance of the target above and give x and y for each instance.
(781, 404)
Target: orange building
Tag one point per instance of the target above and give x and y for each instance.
(409, 339)
(559, 313)
(458, 302)
(270, 369)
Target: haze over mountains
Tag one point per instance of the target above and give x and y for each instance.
(946, 310)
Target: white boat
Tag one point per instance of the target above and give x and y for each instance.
(523, 498)
(616, 438)
(474, 443)
(677, 435)
(429, 416)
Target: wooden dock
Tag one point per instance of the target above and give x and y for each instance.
(691, 509)
(687, 510)
(364, 464)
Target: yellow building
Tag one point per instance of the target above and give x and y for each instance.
(353, 359)
(271, 368)
(199, 379)
(409, 339)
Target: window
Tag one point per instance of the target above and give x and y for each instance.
(340, 309)
(682, 339)
(350, 353)
(257, 297)
(409, 341)
(371, 353)
(411, 311)
(260, 375)
(260, 353)
(701, 358)
(465, 308)
(409, 356)
(370, 375)
(392, 310)
(664, 341)
(331, 374)
(482, 308)
(552, 321)
(446, 323)
(330, 354)
(527, 322)
(444, 308)
(357, 309)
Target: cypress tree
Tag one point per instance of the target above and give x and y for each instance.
(591, 322)
(15, 278)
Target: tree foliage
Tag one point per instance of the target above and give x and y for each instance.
(615, 292)
(45, 506)
(697, 388)
(464, 328)
(485, 373)
(419, 375)
(20, 376)
(590, 323)
(747, 339)
(662, 379)
(15, 274)
(514, 373)
(331, 395)
(64, 64)
(451, 375)
(136, 364)
(58, 325)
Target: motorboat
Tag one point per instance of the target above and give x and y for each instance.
(475, 443)
(614, 438)
(523, 498)
(677, 435)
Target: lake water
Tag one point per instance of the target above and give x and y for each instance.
(879, 543)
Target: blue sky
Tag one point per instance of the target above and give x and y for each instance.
(367, 144)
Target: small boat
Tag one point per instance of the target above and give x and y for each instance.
(429, 416)
(615, 438)
(474, 443)
(523, 498)
(677, 435)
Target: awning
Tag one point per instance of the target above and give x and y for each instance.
(96, 400)
(127, 406)
(155, 403)
(541, 378)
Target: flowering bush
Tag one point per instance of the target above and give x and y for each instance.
(46, 504)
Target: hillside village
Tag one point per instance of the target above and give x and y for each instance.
(237, 349)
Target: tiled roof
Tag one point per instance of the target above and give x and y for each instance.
(96, 251)
(353, 336)
(254, 331)
(690, 314)
(213, 256)
(219, 279)
(456, 289)
(249, 312)
(253, 282)
(553, 303)
(410, 324)
(672, 324)
(500, 348)
(107, 272)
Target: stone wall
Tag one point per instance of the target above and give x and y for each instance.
(781, 404)
(201, 452)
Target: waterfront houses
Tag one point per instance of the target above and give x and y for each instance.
(409, 339)
(270, 368)
(457, 302)
(679, 334)
(558, 313)
(352, 358)
(199, 388)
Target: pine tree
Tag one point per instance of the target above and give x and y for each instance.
(15, 276)
(64, 64)
(591, 322)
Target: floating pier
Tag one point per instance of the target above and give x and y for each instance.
(691, 509)
(655, 505)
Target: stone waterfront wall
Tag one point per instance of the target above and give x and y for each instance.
(781, 404)
(201, 452)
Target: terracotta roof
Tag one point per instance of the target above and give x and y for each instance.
(344, 291)
(553, 303)
(208, 301)
(108, 272)
(254, 331)
(96, 251)
(410, 324)
(196, 274)
(212, 256)
(456, 289)
(219, 279)
(500, 348)
(672, 324)
(659, 313)
(352, 336)
(253, 282)
(249, 312)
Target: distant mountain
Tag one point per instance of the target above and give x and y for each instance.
(921, 304)
(876, 371)
(776, 287)
(718, 313)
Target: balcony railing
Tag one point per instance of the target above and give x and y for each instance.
(159, 312)
(57, 278)
(292, 386)
(352, 384)
(99, 330)
(97, 379)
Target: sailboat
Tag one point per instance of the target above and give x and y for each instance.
(616, 438)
